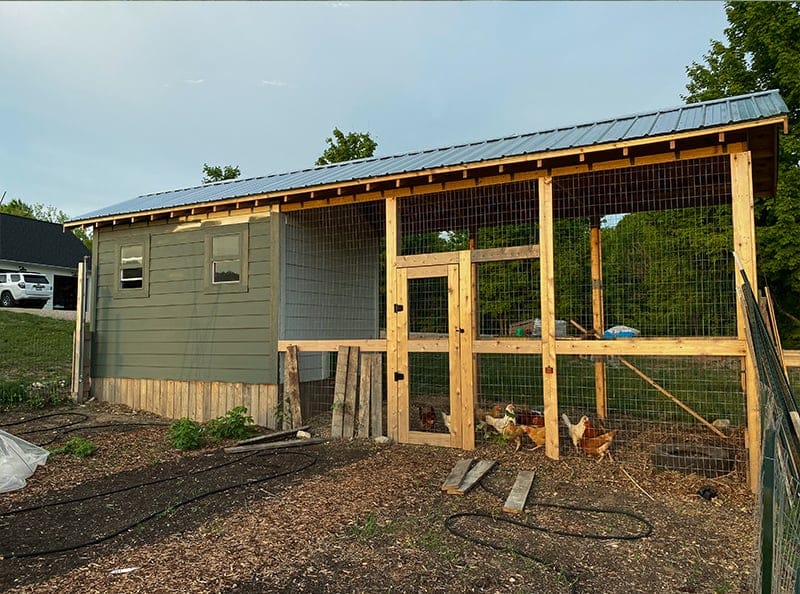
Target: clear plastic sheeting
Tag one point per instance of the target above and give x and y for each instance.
(18, 460)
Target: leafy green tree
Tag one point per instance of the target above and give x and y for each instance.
(42, 212)
(762, 51)
(215, 173)
(346, 147)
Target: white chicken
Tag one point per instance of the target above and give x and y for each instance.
(575, 431)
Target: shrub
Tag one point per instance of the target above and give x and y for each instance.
(235, 424)
(185, 434)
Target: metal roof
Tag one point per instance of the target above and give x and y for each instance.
(684, 118)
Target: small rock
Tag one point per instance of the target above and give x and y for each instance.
(382, 440)
(722, 423)
(303, 435)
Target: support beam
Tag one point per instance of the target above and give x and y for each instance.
(548, 308)
(744, 242)
(392, 244)
(598, 315)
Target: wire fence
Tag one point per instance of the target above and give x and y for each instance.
(35, 359)
(779, 550)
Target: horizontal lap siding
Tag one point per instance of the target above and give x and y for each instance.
(180, 331)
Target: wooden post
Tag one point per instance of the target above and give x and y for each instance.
(466, 336)
(598, 315)
(744, 242)
(548, 308)
(79, 346)
(392, 417)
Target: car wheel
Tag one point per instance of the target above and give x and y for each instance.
(6, 300)
(695, 458)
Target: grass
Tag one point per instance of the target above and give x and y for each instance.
(36, 360)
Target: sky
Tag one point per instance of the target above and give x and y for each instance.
(101, 102)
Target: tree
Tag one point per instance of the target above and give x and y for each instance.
(763, 52)
(215, 173)
(346, 147)
(42, 212)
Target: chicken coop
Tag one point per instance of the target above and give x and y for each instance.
(442, 284)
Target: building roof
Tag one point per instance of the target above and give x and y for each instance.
(30, 242)
(753, 107)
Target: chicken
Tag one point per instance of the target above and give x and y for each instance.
(427, 418)
(591, 430)
(533, 418)
(506, 426)
(575, 431)
(599, 446)
(499, 424)
(535, 434)
(446, 420)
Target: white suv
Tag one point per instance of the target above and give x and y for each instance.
(24, 288)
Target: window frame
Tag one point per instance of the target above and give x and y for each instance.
(135, 292)
(240, 286)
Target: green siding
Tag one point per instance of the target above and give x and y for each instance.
(181, 331)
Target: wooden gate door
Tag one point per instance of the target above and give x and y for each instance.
(434, 339)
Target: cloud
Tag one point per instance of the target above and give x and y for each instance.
(194, 81)
(274, 83)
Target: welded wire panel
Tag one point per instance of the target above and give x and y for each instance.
(508, 298)
(507, 379)
(653, 401)
(491, 216)
(786, 521)
(429, 391)
(794, 379)
(332, 272)
(666, 241)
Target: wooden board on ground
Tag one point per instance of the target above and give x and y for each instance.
(515, 502)
(289, 443)
(473, 476)
(456, 475)
(271, 436)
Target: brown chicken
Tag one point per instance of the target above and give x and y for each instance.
(427, 418)
(590, 430)
(535, 434)
(532, 418)
(599, 446)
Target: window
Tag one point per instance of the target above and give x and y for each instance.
(130, 267)
(133, 264)
(226, 259)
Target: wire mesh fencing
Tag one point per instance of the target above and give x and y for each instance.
(779, 517)
(35, 359)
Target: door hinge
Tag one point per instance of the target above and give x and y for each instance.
(398, 308)
(398, 376)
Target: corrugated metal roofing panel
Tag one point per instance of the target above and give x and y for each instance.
(754, 106)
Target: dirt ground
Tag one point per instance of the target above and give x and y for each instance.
(354, 516)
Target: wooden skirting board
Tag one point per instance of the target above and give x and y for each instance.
(199, 401)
